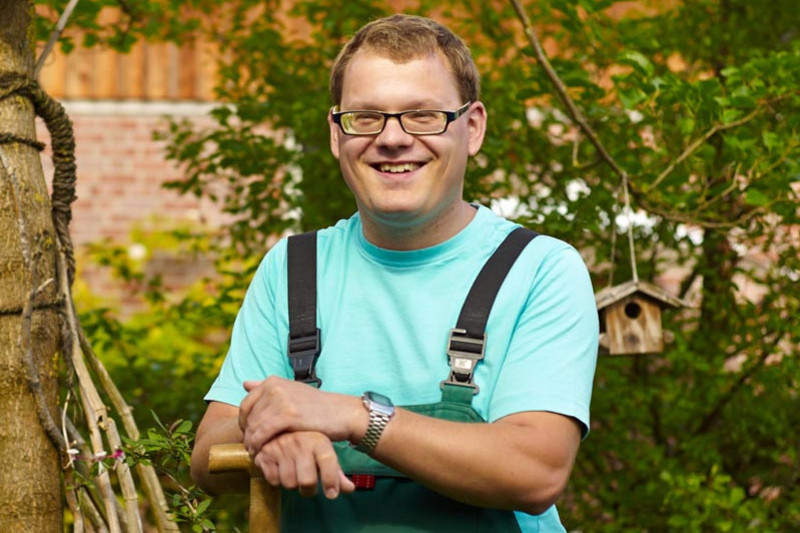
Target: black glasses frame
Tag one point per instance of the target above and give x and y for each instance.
(450, 116)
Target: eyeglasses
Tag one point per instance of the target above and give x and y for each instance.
(414, 122)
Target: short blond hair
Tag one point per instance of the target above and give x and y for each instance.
(402, 38)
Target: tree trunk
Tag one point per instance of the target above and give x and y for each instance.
(30, 484)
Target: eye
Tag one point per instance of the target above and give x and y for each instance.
(365, 118)
(424, 116)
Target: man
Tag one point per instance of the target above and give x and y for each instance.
(391, 282)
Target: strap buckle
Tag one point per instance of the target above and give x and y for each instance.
(463, 354)
(303, 355)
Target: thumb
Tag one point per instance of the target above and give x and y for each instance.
(346, 484)
(251, 384)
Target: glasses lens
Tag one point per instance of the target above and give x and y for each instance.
(363, 122)
(424, 121)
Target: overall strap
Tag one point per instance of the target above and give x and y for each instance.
(304, 337)
(467, 341)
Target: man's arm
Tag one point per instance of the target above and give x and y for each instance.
(219, 426)
(521, 462)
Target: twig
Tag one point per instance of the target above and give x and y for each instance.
(147, 473)
(92, 512)
(697, 143)
(579, 119)
(713, 414)
(612, 257)
(708, 224)
(125, 480)
(561, 90)
(95, 411)
(71, 495)
(54, 36)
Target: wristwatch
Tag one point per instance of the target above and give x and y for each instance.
(380, 411)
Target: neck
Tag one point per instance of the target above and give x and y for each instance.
(391, 235)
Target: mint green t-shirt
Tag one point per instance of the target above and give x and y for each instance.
(385, 317)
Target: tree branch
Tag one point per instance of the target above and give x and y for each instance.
(54, 36)
(561, 90)
(697, 143)
(147, 474)
(579, 119)
(95, 411)
(712, 415)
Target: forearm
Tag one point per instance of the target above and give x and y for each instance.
(216, 430)
(504, 465)
(520, 462)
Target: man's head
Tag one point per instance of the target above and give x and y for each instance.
(405, 37)
(394, 85)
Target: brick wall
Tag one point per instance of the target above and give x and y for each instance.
(121, 170)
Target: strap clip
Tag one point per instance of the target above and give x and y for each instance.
(303, 355)
(463, 354)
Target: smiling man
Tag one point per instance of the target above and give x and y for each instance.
(397, 416)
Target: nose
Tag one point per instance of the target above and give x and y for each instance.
(393, 134)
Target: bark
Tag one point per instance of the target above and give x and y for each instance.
(30, 499)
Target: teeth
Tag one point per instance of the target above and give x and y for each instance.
(405, 167)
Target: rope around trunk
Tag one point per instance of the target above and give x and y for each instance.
(63, 144)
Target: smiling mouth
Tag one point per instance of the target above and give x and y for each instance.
(397, 168)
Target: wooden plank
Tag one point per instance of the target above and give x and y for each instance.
(172, 72)
(208, 54)
(187, 75)
(156, 67)
(53, 74)
(105, 76)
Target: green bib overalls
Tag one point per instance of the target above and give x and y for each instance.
(395, 503)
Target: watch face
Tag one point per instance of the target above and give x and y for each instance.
(378, 398)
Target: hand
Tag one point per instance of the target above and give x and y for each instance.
(300, 460)
(276, 406)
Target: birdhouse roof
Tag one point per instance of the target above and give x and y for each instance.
(611, 295)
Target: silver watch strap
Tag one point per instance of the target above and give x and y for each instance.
(377, 423)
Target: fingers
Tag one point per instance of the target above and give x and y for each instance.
(330, 472)
(247, 404)
(251, 384)
(346, 484)
(264, 413)
(303, 461)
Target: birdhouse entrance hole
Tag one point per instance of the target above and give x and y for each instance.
(633, 310)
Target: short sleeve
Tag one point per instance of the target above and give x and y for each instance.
(257, 346)
(553, 351)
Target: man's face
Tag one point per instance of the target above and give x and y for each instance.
(402, 181)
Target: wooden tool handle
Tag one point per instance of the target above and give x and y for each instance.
(230, 458)
(265, 500)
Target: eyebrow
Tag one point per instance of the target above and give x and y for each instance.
(419, 104)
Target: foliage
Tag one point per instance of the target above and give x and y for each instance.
(697, 101)
(167, 351)
(170, 450)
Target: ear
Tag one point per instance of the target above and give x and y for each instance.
(335, 132)
(476, 127)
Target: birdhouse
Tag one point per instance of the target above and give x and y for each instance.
(630, 317)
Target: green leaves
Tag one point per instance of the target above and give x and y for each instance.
(169, 449)
(638, 61)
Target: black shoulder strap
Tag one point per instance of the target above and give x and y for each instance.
(304, 338)
(467, 341)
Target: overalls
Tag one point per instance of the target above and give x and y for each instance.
(394, 502)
